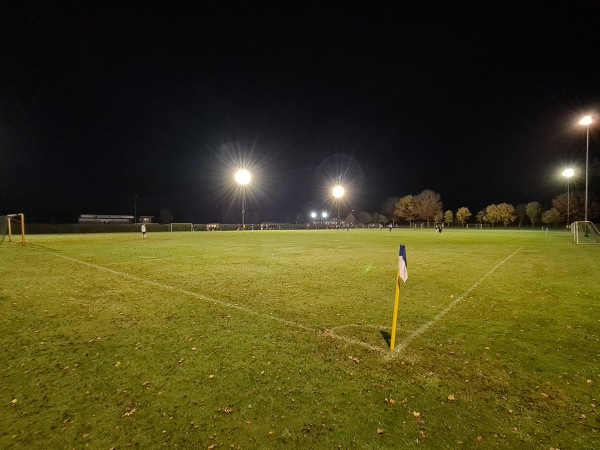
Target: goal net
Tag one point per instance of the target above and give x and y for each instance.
(12, 225)
(585, 233)
(181, 227)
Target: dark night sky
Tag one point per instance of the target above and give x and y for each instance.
(478, 101)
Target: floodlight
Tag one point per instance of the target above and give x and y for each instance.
(338, 191)
(242, 176)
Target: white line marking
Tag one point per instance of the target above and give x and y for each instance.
(328, 333)
(401, 346)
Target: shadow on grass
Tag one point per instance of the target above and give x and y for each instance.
(387, 337)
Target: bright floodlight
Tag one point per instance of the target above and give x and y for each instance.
(242, 176)
(313, 215)
(338, 191)
(568, 173)
(324, 215)
(587, 120)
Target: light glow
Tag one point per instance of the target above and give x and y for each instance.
(338, 191)
(568, 173)
(587, 120)
(242, 176)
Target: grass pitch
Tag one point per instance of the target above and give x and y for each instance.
(279, 339)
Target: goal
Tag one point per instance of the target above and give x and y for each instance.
(181, 227)
(12, 224)
(585, 232)
(475, 225)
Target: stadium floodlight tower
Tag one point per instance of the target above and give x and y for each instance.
(586, 122)
(568, 174)
(243, 177)
(338, 193)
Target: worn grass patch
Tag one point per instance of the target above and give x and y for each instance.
(272, 339)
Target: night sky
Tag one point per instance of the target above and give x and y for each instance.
(479, 101)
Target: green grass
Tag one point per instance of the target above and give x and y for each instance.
(274, 339)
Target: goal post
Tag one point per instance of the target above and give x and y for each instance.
(181, 227)
(585, 232)
(12, 224)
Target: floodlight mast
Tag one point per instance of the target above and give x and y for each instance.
(338, 193)
(586, 121)
(568, 173)
(243, 177)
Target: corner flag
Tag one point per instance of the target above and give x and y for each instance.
(402, 274)
(402, 266)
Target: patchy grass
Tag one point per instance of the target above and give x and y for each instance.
(270, 339)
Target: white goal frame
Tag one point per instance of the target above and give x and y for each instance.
(185, 226)
(585, 232)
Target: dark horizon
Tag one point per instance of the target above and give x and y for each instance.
(478, 102)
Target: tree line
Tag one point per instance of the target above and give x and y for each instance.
(427, 206)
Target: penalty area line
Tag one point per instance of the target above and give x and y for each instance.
(328, 333)
(423, 328)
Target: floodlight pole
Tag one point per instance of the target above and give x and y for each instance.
(242, 176)
(134, 208)
(568, 173)
(587, 152)
(568, 201)
(586, 121)
(243, 207)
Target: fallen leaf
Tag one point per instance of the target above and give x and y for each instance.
(380, 431)
(416, 414)
(451, 397)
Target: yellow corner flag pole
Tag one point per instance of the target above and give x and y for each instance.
(402, 275)
(396, 303)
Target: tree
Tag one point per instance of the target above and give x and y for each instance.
(492, 214)
(462, 215)
(551, 216)
(430, 205)
(521, 213)
(576, 205)
(506, 213)
(448, 217)
(480, 217)
(407, 208)
(388, 208)
(364, 217)
(534, 210)
(380, 218)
